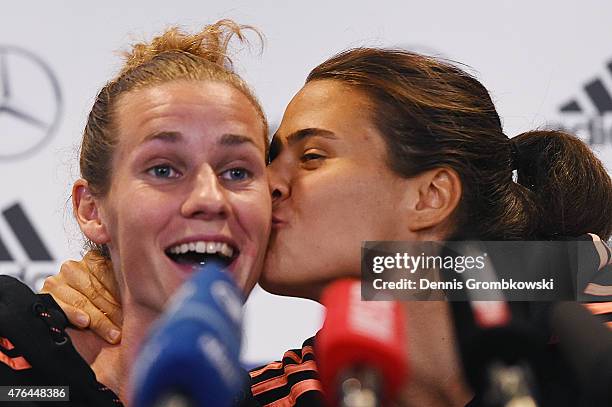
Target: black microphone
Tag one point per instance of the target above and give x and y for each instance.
(587, 346)
(504, 345)
(499, 348)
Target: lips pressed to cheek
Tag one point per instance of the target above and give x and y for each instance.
(332, 190)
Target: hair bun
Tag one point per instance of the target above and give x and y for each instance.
(211, 44)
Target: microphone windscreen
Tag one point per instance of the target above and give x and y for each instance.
(195, 347)
(365, 334)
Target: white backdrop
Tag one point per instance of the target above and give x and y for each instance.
(544, 62)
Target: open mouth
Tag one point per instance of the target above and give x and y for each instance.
(197, 254)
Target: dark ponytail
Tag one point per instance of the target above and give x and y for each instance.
(569, 186)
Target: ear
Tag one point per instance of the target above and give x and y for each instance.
(439, 193)
(86, 209)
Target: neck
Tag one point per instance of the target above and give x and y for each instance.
(112, 364)
(436, 377)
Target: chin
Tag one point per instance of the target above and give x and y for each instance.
(310, 290)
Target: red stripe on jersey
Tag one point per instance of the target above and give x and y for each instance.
(269, 366)
(296, 391)
(6, 344)
(279, 381)
(18, 363)
(598, 308)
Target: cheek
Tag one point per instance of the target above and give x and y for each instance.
(255, 212)
(334, 197)
(140, 212)
(254, 218)
(345, 208)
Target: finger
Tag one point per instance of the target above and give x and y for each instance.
(75, 303)
(98, 320)
(102, 269)
(82, 277)
(63, 294)
(104, 327)
(76, 317)
(49, 286)
(99, 296)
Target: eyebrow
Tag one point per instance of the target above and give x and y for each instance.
(235, 139)
(276, 145)
(304, 134)
(166, 136)
(224, 140)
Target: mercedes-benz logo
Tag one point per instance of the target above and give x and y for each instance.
(30, 102)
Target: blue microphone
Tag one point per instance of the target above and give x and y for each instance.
(192, 356)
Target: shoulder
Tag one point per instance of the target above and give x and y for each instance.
(35, 349)
(28, 319)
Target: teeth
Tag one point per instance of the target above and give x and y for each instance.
(200, 247)
(203, 247)
(226, 250)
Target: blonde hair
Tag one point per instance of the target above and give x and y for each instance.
(174, 55)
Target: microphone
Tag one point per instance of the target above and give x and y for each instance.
(500, 352)
(192, 356)
(361, 349)
(500, 348)
(504, 345)
(587, 346)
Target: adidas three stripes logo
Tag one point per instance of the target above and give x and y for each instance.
(597, 93)
(26, 235)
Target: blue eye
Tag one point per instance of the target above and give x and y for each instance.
(163, 171)
(236, 174)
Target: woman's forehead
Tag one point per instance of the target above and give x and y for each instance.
(325, 105)
(206, 105)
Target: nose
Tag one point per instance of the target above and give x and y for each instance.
(207, 199)
(280, 188)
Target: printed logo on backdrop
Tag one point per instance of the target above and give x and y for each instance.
(588, 114)
(30, 103)
(23, 253)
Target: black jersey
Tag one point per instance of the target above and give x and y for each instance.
(36, 351)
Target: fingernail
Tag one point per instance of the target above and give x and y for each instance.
(114, 335)
(82, 319)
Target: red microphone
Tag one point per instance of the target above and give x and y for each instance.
(361, 349)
